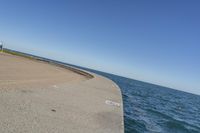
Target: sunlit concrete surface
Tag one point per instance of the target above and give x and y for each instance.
(36, 97)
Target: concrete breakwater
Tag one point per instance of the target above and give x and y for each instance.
(39, 95)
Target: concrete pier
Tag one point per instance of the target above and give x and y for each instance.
(38, 97)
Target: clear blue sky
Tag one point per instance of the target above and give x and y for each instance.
(157, 41)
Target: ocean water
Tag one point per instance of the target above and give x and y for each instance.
(150, 108)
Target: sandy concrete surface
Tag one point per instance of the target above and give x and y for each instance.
(36, 97)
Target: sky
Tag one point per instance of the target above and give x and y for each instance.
(156, 41)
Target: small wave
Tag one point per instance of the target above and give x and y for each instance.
(160, 114)
(153, 128)
(174, 126)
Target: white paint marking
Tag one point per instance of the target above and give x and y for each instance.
(111, 103)
(55, 86)
(114, 85)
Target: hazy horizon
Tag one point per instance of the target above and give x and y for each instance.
(152, 41)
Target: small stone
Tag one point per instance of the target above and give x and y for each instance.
(53, 110)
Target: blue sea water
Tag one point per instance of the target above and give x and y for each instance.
(151, 108)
